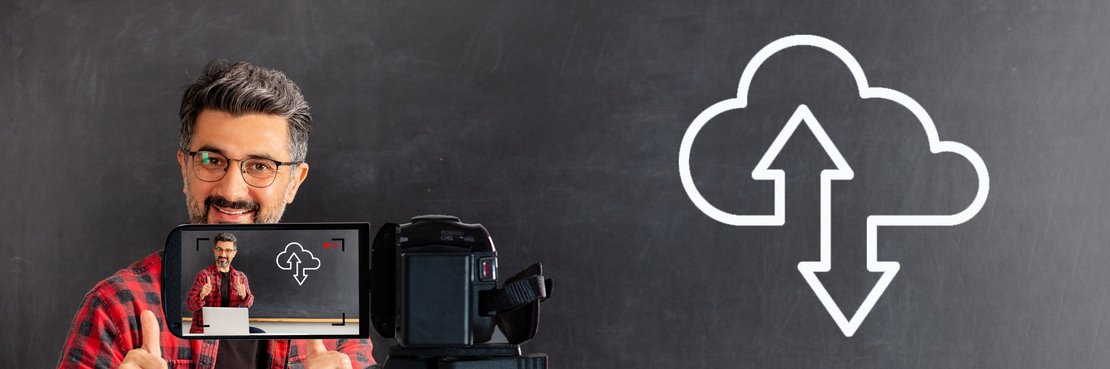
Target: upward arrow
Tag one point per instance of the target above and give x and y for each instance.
(809, 269)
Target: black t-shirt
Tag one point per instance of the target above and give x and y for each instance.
(225, 290)
(235, 354)
(238, 354)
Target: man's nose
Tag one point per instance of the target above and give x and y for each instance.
(233, 186)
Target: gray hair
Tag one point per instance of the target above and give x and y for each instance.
(242, 88)
(226, 237)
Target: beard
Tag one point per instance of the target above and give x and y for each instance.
(198, 211)
(223, 263)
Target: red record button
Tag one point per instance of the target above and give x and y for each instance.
(487, 269)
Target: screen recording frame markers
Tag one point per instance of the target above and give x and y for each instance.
(325, 265)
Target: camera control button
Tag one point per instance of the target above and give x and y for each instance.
(487, 269)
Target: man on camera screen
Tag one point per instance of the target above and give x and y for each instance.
(219, 285)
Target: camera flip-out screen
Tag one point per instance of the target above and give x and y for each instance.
(267, 281)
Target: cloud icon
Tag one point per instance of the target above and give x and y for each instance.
(297, 259)
(803, 116)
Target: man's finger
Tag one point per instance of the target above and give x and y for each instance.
(316, 348)
(150, 333)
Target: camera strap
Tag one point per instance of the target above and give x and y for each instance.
(517, 303)
(515, 294)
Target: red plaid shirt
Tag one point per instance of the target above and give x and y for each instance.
(107, 326)
(213, 276)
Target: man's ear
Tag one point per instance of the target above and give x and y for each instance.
(300, 172)
(184, 174)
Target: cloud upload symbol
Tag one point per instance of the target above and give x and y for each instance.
(802, 115)
(297, 259)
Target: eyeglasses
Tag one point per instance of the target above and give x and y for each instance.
(209, 166)
(222, 251)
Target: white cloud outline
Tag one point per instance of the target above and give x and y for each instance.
(778, 218)
(300, 281)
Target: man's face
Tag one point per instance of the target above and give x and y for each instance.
(225, 252)
(231, 199)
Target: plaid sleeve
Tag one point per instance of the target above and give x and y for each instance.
(107, 325)
(94, 340)
(195, 302)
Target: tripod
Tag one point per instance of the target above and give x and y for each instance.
(503, 356)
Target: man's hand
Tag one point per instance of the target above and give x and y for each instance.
(150, 355)
(320, 358)
(240, 288)
(207, 288)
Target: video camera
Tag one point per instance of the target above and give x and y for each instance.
(431, 284)
(434, 288)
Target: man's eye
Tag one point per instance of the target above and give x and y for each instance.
(260, 166)
(212, 161)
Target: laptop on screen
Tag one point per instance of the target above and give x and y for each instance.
(226, 321)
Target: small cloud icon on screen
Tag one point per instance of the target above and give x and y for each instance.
(298, 260)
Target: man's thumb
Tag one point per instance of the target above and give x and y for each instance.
(151, 332)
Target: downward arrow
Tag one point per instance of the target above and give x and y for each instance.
(809, 269)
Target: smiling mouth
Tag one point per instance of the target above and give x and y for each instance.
(222, 210)
(232, 211)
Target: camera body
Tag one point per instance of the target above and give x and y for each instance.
(433, 287)
(427, 278)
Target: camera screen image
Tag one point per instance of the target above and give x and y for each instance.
(238, 281)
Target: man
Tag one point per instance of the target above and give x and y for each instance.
(230, 286)
(243, 137)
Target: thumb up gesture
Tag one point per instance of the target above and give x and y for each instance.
(240, 287)
(207, 288)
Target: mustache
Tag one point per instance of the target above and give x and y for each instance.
(222, 202)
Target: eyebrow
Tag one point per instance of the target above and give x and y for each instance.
(214, 149)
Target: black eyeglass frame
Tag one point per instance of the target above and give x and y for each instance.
(242, 170)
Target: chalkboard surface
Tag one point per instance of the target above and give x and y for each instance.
(559, 125)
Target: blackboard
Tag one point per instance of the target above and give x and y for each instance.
(558, 126)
